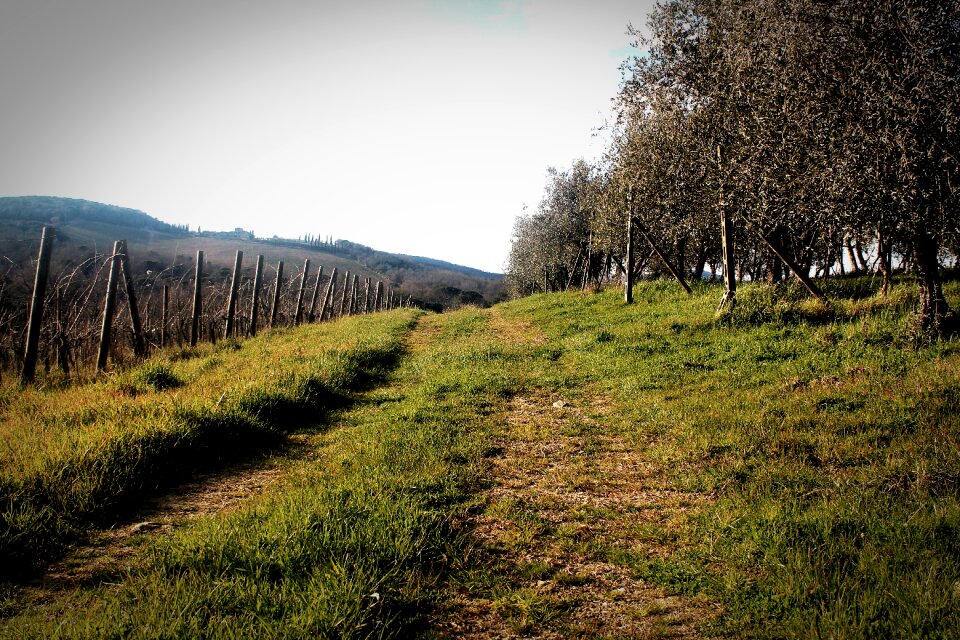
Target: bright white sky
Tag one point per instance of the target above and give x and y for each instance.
(412, 126)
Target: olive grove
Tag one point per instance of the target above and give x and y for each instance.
(825, 133)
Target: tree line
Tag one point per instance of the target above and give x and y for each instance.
(800, 137)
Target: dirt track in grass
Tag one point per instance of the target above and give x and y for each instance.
(107, 553)
(564, 494)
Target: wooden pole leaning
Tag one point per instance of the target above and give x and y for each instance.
(329, 295)
(274, 308)
(346, 289)
(139, 343)
(108, 307)
(255, 304)
(197, 301)
(298, 313)
(232, 300)
(813, 289)
(36, 306)
(663, 257)
(313, 299)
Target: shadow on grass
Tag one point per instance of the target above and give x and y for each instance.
(41, 517)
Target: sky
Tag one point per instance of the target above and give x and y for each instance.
(422, 127)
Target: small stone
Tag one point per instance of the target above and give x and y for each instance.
(142, 527)
(560, 404)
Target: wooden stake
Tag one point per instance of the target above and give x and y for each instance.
(139, 342)
(232, 300)
(329, 295)
(298, 314)
(255, 305)
(797, 271)
(673, 270)
(573, 272)
(316, 292)
(36, 306)
(351, 306)
(108, 307)
(197, 302)
(276, 295)
(346, 290)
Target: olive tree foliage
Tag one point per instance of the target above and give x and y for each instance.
(552, 247)
(811, 122)
(667, 194)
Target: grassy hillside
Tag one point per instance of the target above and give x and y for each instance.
(789, 470)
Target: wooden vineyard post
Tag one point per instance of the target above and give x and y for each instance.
(298, 314)
(164, 315)
(628, 287)
(255, 305)
(276, 295)
(197, 301)
(108, 307)
(378, 298)
(352, 303)
(139, 343)
(366, 295)
(313, 298)
(232, 300)
(352, 286)
(329, 295)
(346, 288)
(355, 296)
(36, 306)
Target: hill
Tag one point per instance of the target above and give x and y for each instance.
(86, 228)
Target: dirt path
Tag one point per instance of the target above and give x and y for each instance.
(108, 553)
(566, 498)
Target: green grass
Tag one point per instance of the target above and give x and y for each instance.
(351, 545)
(822, 444)
(829, 442)
(70, 458)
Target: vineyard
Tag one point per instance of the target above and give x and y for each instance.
(98, 308)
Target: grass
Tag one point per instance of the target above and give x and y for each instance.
(71, 458)
(351, 545)
(830, 446)
(806, 459)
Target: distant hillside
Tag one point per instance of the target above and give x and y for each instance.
(442, 264)
(65, 211)
(86, 228)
